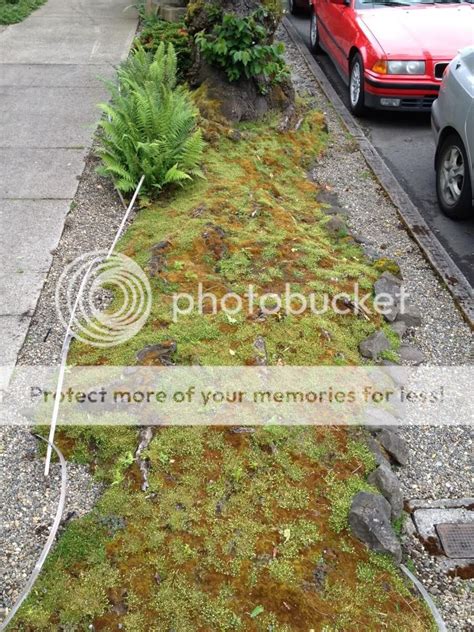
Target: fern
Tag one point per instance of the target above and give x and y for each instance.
(149, 125)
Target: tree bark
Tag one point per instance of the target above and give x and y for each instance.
(240, 100)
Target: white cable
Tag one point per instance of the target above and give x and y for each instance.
(49, 542)
(70, 334)
(430, 603)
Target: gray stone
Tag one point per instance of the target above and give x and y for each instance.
(409, 353)
(379, 455)
(369, 519)
(370, 252)
(387, 291)
(330, 203)
(394, 445)
(378, 418)
(261, 359)
(373, 346)
(160, 354)
(426, 519)
(410, 316)
(440, 503)
(388, 485)
(399, 327)
(336, 225)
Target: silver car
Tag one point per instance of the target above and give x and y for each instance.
(452, 121)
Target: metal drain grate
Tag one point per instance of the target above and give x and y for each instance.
(457, 539)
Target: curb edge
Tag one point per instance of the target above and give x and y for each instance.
(453, 279)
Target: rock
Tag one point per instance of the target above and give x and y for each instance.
(374, 447)
(261, 349)
(157, 355)
(331, 203)
(370, 252)
(369, 519)
(373, 346)
(410, 317)
(157, 262)
(411, 354)
(396, 447)
(389, 486)
(213, 236)
(399, 327)
(362, 239)
(387, 292)
(378, 419)
(336, 226)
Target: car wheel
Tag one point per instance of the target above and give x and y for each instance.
(293, 8)
(356, 85)
(453, 182)
(314, 34)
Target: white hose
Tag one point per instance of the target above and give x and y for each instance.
(49, 542)
(69, 332)
(430, 603)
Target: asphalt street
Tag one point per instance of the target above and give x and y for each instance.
(405, 142)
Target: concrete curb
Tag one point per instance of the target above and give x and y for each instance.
(433, 251)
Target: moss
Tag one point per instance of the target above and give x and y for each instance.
(231, 522)
(387, 265)
(340, 494)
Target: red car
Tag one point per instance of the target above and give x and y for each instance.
(391, 53)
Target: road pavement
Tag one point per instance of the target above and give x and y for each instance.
(405, 142)
(51, 67)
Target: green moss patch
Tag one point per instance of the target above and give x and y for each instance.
(237, 531)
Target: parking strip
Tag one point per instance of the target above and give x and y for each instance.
(419, 230)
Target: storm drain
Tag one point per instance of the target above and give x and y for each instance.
(457, 540)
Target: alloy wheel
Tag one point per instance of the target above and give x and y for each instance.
(355, 84)
(313, 33)
(452, 175)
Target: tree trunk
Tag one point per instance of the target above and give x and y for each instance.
(149, 7)
(240, 100)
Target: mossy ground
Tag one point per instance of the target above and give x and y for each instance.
(237, 531)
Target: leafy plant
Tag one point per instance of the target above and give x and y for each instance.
(13, 11)
(154, 31)
(240, 46)
(150, 125)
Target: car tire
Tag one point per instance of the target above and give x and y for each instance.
(293, 7)
(314, 45)
(453, 180)
(356, 86)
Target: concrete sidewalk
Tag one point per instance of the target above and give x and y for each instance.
(50, 70)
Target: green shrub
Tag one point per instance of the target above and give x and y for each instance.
(240, 46)
(150, 125)
(13, 11)
(155, 31)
